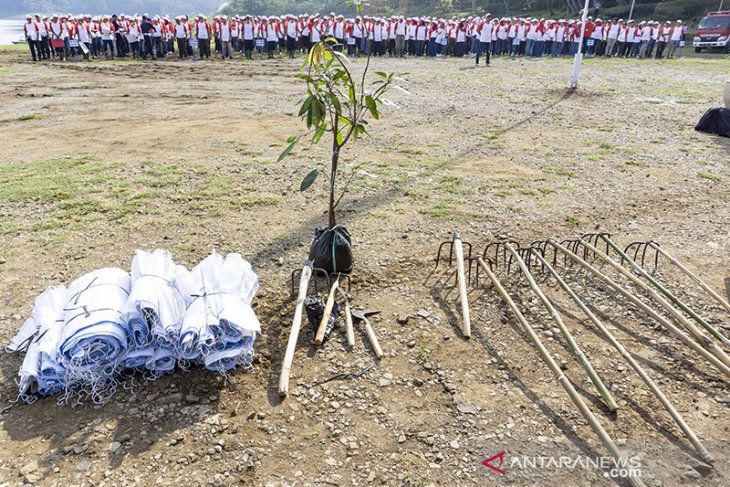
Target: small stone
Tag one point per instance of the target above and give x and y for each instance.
(388, 376)
(402, 439)
(29, 468)
(411, 344)
(701, 467)
(454, 444)
(403, 320)
(331, 462)
(2, 261)
(33, 478)
(192, 398)
(125, 438)
(542, 439)
(83, 466)
(383, 382)
(175, 397)
(722, 398)
(115, 447)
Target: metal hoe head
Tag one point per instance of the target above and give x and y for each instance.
(450, 243)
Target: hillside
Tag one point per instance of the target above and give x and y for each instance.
(11, 8)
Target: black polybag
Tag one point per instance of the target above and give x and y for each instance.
(332, 250)
(715, 121)
(315, 310)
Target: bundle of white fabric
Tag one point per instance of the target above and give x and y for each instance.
(80, 338)
(220, 326)
(154, 311)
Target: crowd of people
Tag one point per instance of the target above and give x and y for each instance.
(66, 37)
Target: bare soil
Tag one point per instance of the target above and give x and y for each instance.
(99, 159)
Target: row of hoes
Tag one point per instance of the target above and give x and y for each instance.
(80, 339)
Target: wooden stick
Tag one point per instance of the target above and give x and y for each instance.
(466, 323)
(373, 338)
(296, 326)
(574, 347)
(694, 277)
(668, 294)
(319, 337)
(608, 443)
(348, 320)
(699, 447)
(696, 332)
(647, 309)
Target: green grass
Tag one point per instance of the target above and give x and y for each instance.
(32, 116)
(573, 220)
(707, 175)
(423, 350)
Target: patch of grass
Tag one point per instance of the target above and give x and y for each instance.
(573, 220)
(32, 116)
(413, 151)
(423, 350)
(439, 210)
(245, 150)
(707, 175)
(559, 171)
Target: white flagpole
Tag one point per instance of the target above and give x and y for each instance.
(579, 55)
(631, 12)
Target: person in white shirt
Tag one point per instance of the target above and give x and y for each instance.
(225, 35)
(484, 33)
(292, 33)
(43, 41)
(663, 39)
(612, 37)
(676, 36)
(181, 37)
(32, 36)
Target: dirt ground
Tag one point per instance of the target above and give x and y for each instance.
(99, 159)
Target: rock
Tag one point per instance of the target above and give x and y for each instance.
(83, 466)
(125, 438)
(2, 261)
(331, 462)
(423, 313)
(454, 444)
(33, 478)
(383, 382)
(115, 447)
(463, 406)
(542, 439)
(701, 467)
(192, 398)
(388, 376)
(29, 468)
(401, 438)
(403, 320)
(175, 397)
(722, 398)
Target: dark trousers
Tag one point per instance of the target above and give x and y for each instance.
(182, 47)
(204, 47)
(660, 46)
(108, 48)
(34, 48)
(147, 46)
(45, 46)
(484, 47)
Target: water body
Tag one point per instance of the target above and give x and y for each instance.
(10, 30)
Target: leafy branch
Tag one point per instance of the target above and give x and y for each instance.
(338, 105)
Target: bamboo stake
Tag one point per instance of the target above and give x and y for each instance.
(565, 383)
(296, 326)
(348, 320)
(694, 277)
(319, 337)
(678, 302)
(699, 447)
(696, 332)
(466, 323)
(574, 347)
(647, 309)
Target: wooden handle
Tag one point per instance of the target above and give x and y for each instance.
(373, 339)
(466, 323)
(319, 337)
(348, 320)
(294, 333)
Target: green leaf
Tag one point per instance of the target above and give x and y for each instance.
(381, 74)
(319, 133)
(335, 102)
(291, 139)
(351, 94)
(372, 106)
(308, 180)
(292, 142)
(339, 137)
(305, 106)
